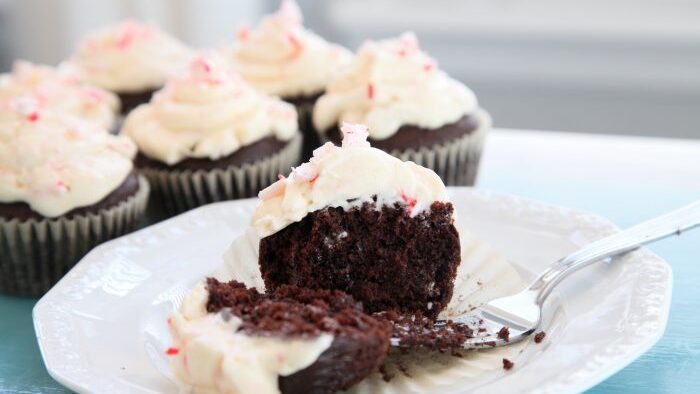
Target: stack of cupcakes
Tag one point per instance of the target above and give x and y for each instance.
(206, 127)
(208, 136)
(413, 110)
(66, 185)
(284, 59)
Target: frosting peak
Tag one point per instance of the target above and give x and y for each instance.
(56, 163)
(59, 89)
(346, 177)
(207, 112)
(282, 58)
(130, 56)
(392, 83)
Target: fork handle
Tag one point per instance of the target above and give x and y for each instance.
(672, 223)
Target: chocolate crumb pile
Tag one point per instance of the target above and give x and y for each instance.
(417, 330)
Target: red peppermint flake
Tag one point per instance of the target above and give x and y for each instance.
(126, 39)
(428, 67)
(94, 94)
(402, 52)
(33, 116)
(312, 180)
(294, 41)
(370, 91)
(410, 201)
(61, 186)
(172, 351)
(243, 32)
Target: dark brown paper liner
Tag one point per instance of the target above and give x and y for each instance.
(35, 254)
(179, 191)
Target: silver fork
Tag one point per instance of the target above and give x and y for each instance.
(521, 313)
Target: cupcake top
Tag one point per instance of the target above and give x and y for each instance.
(392, 83)
(346, 176)
(60, 90)
(56, 163)
(207, 112)
(130, 57)
(282, 58)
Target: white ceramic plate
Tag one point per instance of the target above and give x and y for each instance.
(102, 328)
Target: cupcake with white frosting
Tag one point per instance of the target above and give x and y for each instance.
(282, 58)
(414, 110)
(359, 220)
(60, 90)
(208, 136)
(66, 185)
(131, 59)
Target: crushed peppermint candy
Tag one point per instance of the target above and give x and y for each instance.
(274, 190)
(172, 351)
(243, 32)
(355, 135)
(370, 91)
(410, 201)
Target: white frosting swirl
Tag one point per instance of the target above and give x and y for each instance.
(284, 59)
(207, 113)
(55, 163)
(209, 356)
(60, 90)
(346, 177)
(393, 83)
(130, 57)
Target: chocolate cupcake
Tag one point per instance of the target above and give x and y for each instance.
(358, 220)
(233, 339)
(414, 110)
(60, 90)
(208, 136)
(131, 59)
(65, 186)
(282, 58)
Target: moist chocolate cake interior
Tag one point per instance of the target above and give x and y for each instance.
(381, 256)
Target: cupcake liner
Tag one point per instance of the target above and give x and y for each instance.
(456, 162)
(183, 190)
(35, 254)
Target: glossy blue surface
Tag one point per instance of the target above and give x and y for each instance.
(671, 366)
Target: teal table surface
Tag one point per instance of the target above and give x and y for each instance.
(624, 179)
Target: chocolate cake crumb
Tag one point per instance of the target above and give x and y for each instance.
(539, 336)
(504, 333)
(507, 364)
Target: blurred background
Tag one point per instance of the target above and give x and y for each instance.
(596, 66)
